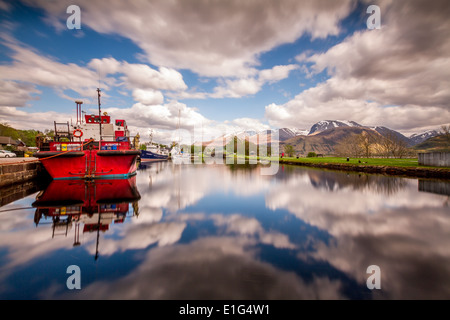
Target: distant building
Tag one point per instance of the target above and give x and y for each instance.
(21, 145)
(435, 159)
(8, 141)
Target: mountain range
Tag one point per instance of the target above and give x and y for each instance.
(421, 137)
(322, 137)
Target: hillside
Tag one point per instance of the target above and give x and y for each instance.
(386, 132)
(328, 137)
(325, 142)
(325, 136)
(438, 143)
(27, 136)
(421, 137)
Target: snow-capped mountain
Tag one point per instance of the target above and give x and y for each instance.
(421, 137)
(285, 134)
(329, 124)
(264, 135)
(317, 131)
(244, 134)
(390, 134)
(300, 132)
(296, 131)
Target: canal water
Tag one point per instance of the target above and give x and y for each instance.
(229, 232)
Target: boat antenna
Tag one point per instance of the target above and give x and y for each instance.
(179, 135)
(99, 112)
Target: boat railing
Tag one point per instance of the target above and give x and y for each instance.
(65, 146)
(114, 145)
(108, 137)
(103, 145)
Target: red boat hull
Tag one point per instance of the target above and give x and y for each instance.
(89, 164)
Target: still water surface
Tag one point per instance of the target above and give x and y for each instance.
(228, 232)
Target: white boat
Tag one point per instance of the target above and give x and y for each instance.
(176, 154)
(179, 157)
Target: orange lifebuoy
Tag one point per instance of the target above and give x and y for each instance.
(77, 133)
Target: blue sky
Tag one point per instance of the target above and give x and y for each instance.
(226, 65)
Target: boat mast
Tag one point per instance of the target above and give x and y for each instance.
(99, 112)
(179, 136)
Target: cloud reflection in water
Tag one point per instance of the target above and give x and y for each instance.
(244, 249)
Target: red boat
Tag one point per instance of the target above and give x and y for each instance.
(92, 148)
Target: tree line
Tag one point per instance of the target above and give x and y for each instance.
(387, 146)
(367, 145)
(27, 136)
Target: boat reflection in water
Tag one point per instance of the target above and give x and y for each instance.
(93, 204)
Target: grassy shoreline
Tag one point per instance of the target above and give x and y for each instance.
(400, 167)
(359, 161)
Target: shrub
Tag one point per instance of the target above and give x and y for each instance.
(289, 150)
(311, 155)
